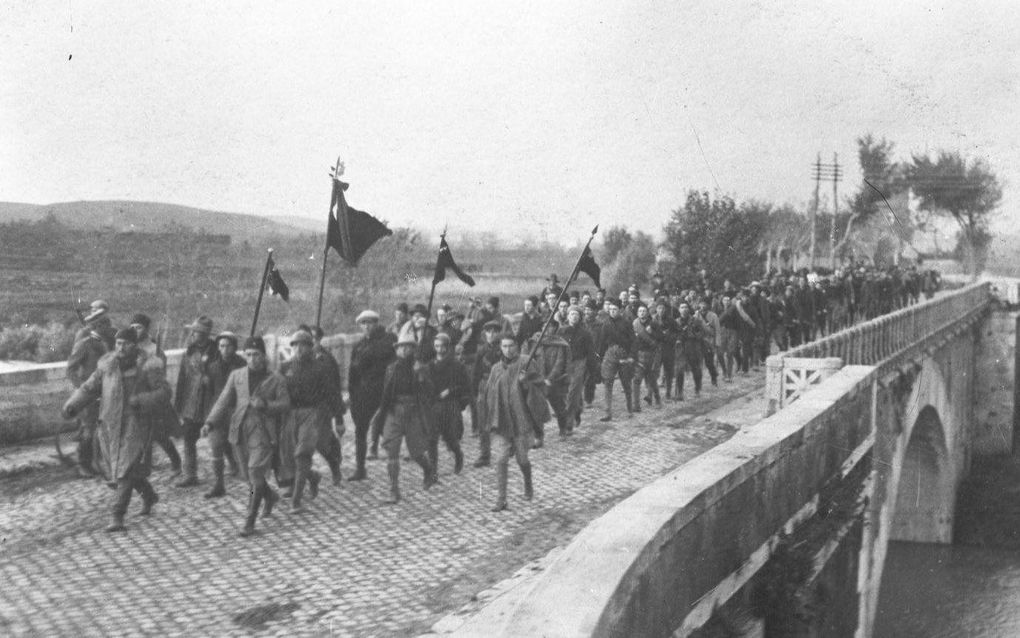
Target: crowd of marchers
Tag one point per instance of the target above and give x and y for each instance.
(412, 381)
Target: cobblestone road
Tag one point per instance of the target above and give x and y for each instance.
(350, 567)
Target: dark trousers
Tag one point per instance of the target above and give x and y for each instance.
(590, 381)
(124, 488)
(746, 350)
(161, 438)
(708, 354)
(668, 364)
(361, 428)
(688, 357)
(192, 432)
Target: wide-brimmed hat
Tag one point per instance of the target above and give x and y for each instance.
(367, 315)
(97, 309)
(420, 309)
(201, 324)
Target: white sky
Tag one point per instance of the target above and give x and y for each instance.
(538, 117)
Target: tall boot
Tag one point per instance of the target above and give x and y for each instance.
(299, 487)
(254, 502)
(360, 452)
(631, 401)
(529, 491)
(458, 458)
(393, 469)
(502, 470)
(484, 447)
(634, 399)
(429, 471)
(190, 463)
(607, 389)
(334, 470)
(217, 489)
(433, 457)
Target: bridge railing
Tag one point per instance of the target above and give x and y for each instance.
(789, 374)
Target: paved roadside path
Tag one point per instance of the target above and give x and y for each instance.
(351, 566)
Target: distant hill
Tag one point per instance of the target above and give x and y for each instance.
(153, 216)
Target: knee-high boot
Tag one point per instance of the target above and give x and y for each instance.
(254, 502)
(607, 388)
(217, 489)
(502, 471)
(300, 478)
(429, 471)
(529, 491)
(393, 469)
(634, 398)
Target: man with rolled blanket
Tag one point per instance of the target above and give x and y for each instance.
(129, 386)
(256, 400)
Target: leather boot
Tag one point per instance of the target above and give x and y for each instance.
(429, 470)
(116, 524)
(217, 489)
(299, 488)
(529, 492)
(458, 460)
(270, 498)
(313, 484)
(393, 469)
(254, 502)
(149, 498)
(502, 470)
(334, 470)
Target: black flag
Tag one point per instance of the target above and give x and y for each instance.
(351, 232)
(588, 266)
(277, 285)
(445, 261)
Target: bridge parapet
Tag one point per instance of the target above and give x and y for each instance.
(879, 342)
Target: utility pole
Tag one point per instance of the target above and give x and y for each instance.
(833, 172)
(814, 212)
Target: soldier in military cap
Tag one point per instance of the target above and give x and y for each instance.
(313, 401)
(219, 370)
(404, 414)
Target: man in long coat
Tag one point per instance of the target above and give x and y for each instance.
(405, 413)
(581, 360)
(487, 356)
(193, 399)
(614, 345)
(369, 359)
(90, 344)
(256, 400)
(552, 359)
(129, 386)
(164, 422)
(515, 408)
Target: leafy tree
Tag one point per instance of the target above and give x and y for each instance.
(882, 179)
(616, 240)
(968, 192)
(633, 264)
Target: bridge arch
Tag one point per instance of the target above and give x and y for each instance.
(926, 491)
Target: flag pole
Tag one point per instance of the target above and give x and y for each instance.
(262, 289)
(325, 253)
(432, 293)
(552, 311)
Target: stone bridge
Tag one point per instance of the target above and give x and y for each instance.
(783, 529)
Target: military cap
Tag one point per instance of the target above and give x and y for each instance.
(127, 334)
(141, 320)
(553, 278)
(402, 307)
(97, 309)
(494, 302)
(367, 315)
(255, 343)
(229, 336)
(533, 299)
(420, 309)
(201, 324)
(301, 336)
(492, 324)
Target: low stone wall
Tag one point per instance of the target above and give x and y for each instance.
(657, 557)
(31, 397)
